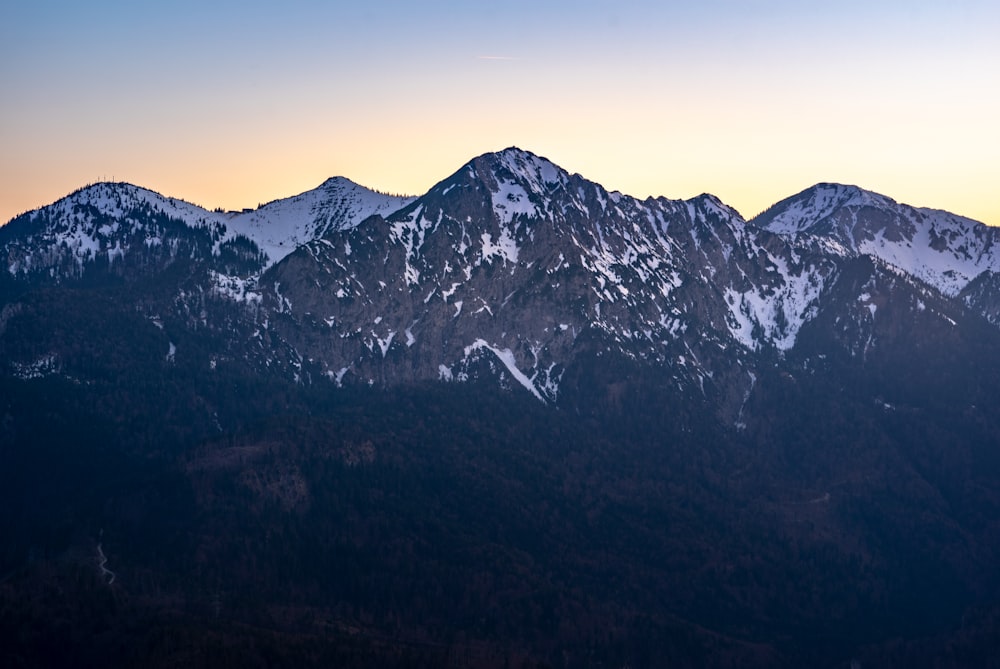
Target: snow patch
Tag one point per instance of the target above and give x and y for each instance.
(504, 248)
(338, 376)
(235, 288)
(511, 200)
(506, 356)
(384, 343)
(777, 313)
(46, 365)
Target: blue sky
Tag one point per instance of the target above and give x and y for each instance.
(230, 104)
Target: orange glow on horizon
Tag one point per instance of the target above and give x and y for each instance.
(235, 182)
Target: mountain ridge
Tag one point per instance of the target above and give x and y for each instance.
(267, 224)
(492, 267)
(510, 239)
(512, 156)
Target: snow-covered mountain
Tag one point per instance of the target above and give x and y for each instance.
(516, 269)
(939, 248)
(108, 220)
(280, 227)
(515, 260)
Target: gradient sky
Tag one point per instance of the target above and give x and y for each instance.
(236, 103)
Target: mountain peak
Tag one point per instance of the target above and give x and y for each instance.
(810, 209)
(100, 192)
(336, 182)
(513, 164)
(117, 199)
(941, 249)
(519, 183)
(712, 203)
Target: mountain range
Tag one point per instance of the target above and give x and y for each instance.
(793, 415)
(514, 262)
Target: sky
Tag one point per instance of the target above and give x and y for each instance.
(232, 104)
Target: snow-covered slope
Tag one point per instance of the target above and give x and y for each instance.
(103, 221)
(109, 219)
(279, 227)
(939, 248)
